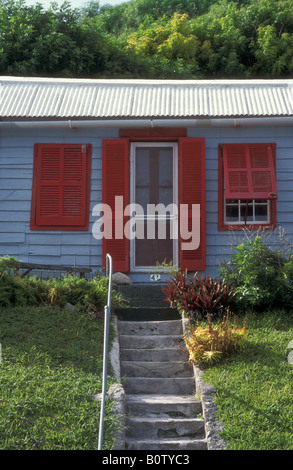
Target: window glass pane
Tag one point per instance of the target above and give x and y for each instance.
(165, 167)
(232, 214)
(246, 213)
(166, 196)
(261, 213)
(143, 197)
(142, 176)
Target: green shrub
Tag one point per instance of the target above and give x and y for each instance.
(16, 291)
(261, 276)
(90, 295)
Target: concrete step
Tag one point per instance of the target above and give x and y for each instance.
(162, 386)
(147, 313)
(167, 444)
(144, 295)
(149, 427)
(156, 355)
(171, 405)
(139, 328)
(149, 341)
(156, 369)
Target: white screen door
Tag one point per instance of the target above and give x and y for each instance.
(154, 191)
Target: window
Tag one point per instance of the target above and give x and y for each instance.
(61, 187)
(239, 211)
(247, 186)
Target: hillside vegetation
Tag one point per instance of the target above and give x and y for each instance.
(148, 39)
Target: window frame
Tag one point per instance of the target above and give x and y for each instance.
(271, 203)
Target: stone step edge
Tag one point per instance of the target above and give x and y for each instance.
(168, 445)
(154, 349)
(167, 355)
(176, 336)
(144, 328)
(149, 322)
(155, 369)
(153, 418)
(168, 399)
(166, 440)
(158, 364)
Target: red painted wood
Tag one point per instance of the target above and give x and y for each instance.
(61, 187)
(249, 171)
(153, 133)
(192, 184)
(116, 182)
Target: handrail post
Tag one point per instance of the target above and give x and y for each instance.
(107, 311)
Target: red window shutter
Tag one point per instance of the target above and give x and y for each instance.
(249, 171)
(61, 186)
(116, 182)
(192, 191)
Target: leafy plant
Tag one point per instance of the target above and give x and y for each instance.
(175, 288)
(199, 297)
(258, 274)
(207, 298)
(210, 343)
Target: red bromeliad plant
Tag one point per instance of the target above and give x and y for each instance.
(201, 297)
(176, 287)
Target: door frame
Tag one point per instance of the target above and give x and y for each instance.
(174, 218)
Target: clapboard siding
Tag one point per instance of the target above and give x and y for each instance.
(62, 247)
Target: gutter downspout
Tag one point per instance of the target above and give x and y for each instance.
(151, 123)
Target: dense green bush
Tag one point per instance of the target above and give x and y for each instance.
(88, 294)
(262, 276)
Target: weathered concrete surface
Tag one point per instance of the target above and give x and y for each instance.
(162, 412)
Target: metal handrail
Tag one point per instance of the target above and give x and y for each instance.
(107, 310)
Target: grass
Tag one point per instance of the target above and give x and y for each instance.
(51, 368)
(255, 386)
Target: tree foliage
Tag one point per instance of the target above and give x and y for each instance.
(149, 38)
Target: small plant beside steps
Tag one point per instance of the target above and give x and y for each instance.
(206, 303)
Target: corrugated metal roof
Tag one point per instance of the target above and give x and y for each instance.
(44, 98)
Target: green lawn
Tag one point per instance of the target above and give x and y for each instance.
(51, 367)
(255, 386)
